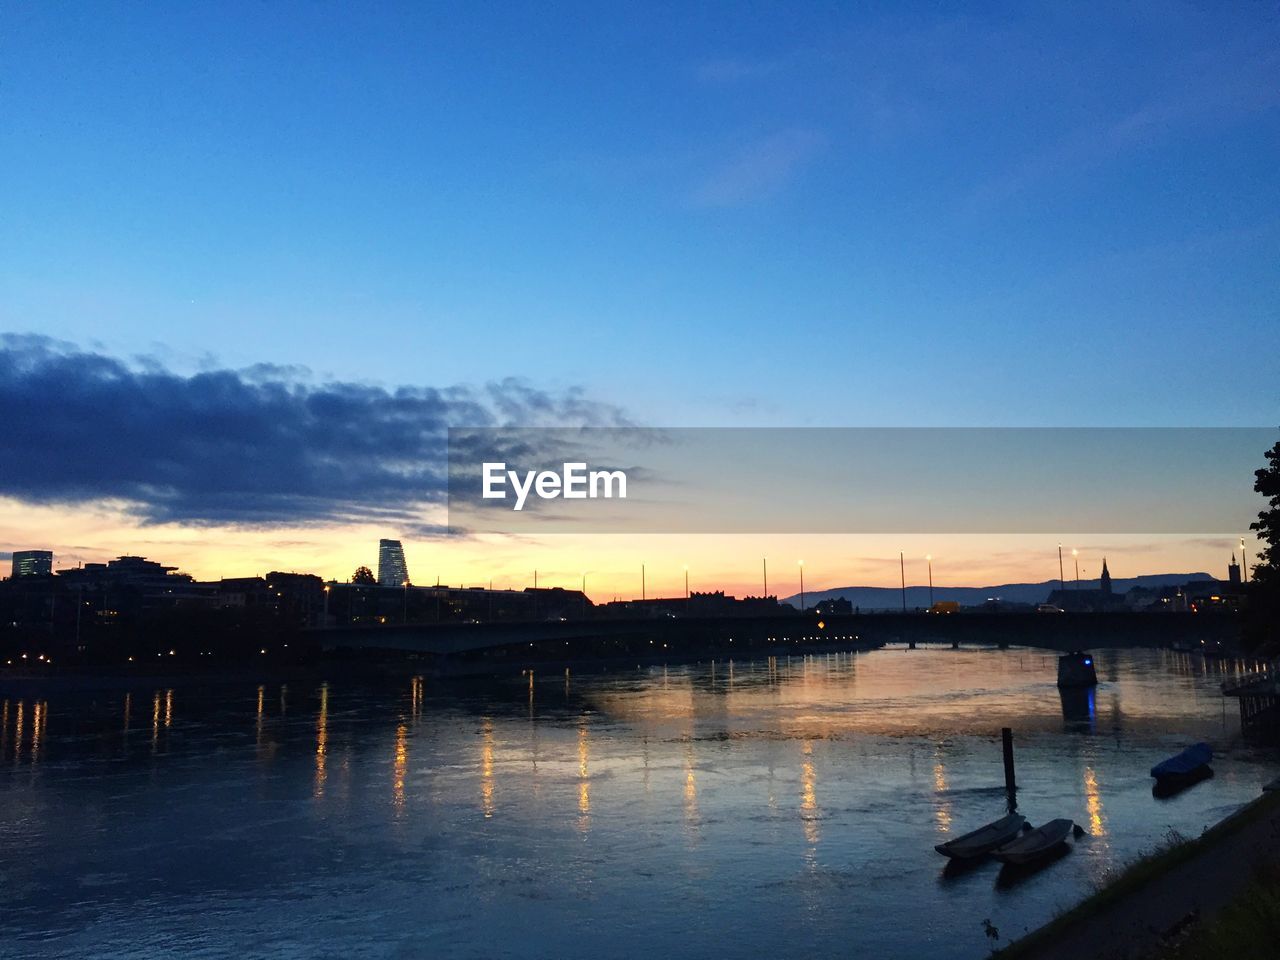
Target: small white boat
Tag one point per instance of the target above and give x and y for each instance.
(984, 839)
(1032, 846)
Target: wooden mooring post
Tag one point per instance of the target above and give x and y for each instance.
(1010, 784)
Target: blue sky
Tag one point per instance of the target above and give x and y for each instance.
(793, 214)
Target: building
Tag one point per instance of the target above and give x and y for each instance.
(1104, 582)
(137, 584)
(32, 563)
(392, 570)
(1233, 572)
(833, 607)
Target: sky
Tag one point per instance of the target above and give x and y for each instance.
(724, 215)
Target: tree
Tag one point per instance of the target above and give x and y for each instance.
(1267, 569)
(363, 575)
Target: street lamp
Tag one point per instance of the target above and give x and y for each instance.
(801, 586)
(929, 559)
(902, 569)
(1075, 555)
(326, 605)
(1062, 580)
(1244, 562)
(686, 583)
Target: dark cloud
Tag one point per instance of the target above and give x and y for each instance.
(264, 445)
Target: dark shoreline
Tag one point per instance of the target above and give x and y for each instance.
(324, 669)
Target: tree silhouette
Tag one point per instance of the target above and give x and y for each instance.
(1261, 633)
(363, 575)
(1267, 570)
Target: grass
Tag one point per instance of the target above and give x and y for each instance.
(1175, 851)
(1248, 928)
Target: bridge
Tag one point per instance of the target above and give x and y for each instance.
(1259, 696)
(531, 641)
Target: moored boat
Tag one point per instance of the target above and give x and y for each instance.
(1036, 844)
(982, 841)
(1189, 764)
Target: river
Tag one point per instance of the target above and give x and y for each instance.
(780, 807)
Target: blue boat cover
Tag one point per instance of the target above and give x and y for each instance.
(1188, 761)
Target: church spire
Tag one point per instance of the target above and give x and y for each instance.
(1105, 580)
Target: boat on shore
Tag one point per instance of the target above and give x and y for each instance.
(1035, 845)
(980, 842)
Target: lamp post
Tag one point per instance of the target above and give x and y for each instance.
(929, 559)
(1062, 580)
(764, 565)
(902, 569)
(1244, 563)
(801, 586)
(405, 617)
(1075, 555)
(326, 605)
(584, 594)
(643, 594)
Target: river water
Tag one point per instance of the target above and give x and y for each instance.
(784, 807)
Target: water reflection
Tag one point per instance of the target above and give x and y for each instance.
(261, 717)
(155, 722)
(692, 818)
(37, 722)
(28, 734)
(400, 767)
(942, 802)
(416, 695)
(1093, 803)
(1079, 708)
(584, 778)
(161, 715)
(322, 740)
(809, 812)
(486, 767)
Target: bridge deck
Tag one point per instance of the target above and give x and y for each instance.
(1064, 632)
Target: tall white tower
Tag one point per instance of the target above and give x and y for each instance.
(392, 570)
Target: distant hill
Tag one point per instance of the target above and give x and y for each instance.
(890, 598)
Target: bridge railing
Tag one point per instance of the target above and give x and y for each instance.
(1267, 676)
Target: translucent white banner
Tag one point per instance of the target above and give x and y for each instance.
(854, 480)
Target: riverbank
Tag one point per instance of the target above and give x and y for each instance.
(1164, 897)
(27, 683)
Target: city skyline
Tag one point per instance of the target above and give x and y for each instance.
(656, 581)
